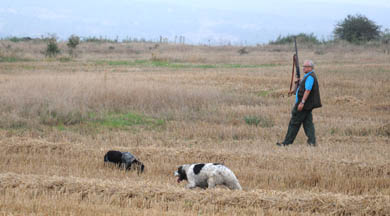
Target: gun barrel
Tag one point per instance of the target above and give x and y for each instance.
(298, 74)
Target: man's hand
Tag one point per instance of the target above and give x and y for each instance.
(294, 91)
(300, 106)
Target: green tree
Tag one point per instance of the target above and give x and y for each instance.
(356, 28)
(73, 41)
(52, 47)
(301, 38)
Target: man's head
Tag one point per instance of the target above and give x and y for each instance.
(308, 66)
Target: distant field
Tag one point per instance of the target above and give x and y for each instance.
(175, 104)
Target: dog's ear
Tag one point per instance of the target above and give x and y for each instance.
(182, 173)
(180, 170)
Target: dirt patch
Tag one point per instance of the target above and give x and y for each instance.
(348, 100)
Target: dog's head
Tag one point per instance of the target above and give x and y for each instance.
(138, 166)
(180, 173)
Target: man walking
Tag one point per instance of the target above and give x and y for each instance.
(307, 98)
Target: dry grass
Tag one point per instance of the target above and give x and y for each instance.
(52, 144)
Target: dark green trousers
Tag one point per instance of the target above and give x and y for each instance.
(297, 118)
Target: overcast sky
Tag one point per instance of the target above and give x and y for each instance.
(199, 21)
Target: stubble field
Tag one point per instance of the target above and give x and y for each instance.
(174, 104)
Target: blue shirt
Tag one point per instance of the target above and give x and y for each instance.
(308, 84)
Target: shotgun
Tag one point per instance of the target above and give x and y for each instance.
(298, 72)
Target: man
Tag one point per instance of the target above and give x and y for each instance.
(307, 98)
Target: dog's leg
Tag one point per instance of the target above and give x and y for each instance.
(190, 185)
(128, 166)
(211, 182)
(191, 182)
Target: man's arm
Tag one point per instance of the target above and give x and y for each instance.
(302, 103)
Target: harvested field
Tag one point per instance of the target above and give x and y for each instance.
(184, 104)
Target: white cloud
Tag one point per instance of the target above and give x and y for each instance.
(250, 26)
(8, 10)
(47, 14)
(170, 10)
(208, 23)
(206, 33)
(375, 3)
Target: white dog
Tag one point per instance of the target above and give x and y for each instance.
(207, 176)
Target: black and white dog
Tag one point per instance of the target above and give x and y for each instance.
(124, 159)
(207, 175)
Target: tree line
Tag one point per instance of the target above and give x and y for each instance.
(355, 29)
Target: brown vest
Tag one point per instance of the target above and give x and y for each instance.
(313, 100)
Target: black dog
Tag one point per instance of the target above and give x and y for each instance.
(124, 159)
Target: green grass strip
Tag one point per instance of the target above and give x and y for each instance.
(118, 120)
(12, 59)
(148, 63)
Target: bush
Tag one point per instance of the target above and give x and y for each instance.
(356, 29)
(73, 41)
(99, 40)
(19, 39)
(302, 38)
(243, 51)
(52, 47)
(385, 36)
